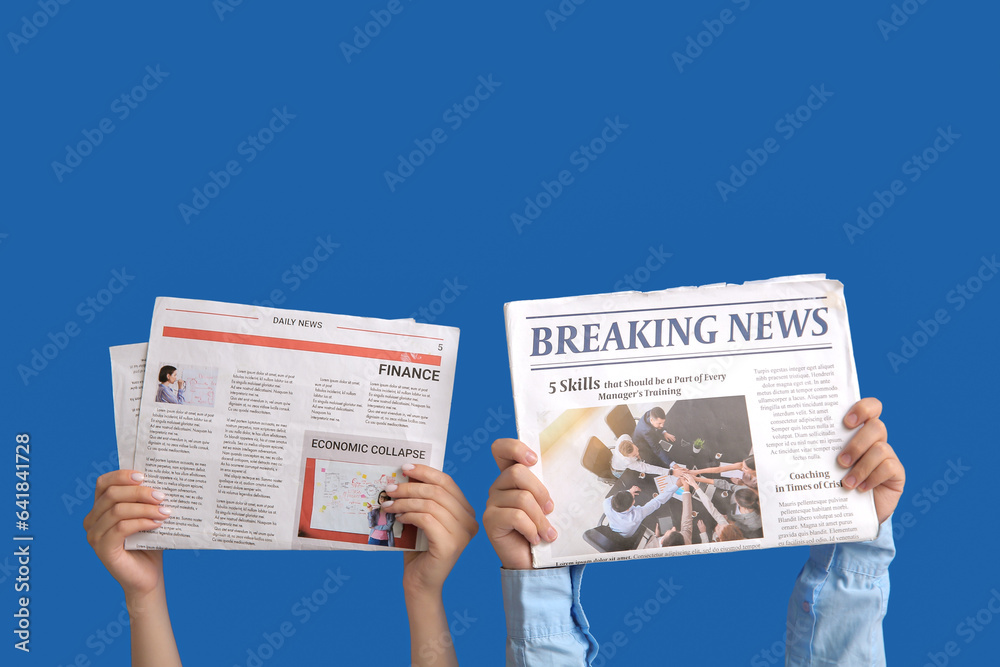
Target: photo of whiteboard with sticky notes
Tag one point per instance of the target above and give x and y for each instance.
(344, 494)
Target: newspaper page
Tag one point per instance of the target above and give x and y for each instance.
(128, 367)
(736, 391)
(279, 429)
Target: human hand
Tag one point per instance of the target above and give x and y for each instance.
(634, 490)
(668, 437)
(518, 502)
(873, 463)
(432, 502)
(123, 507)
(702, 528)
(180, 384)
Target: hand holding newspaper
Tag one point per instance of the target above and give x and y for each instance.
(278, 429)
(736, 391)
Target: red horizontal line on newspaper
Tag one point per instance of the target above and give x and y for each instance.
(303, 345)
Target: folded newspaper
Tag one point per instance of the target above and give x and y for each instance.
(691, 420)
(279, 429)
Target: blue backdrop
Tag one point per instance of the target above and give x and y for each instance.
(206, 150)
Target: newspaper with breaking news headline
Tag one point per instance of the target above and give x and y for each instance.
(689, 420)
(280, 429)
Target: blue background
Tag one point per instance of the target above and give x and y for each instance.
(655, 186)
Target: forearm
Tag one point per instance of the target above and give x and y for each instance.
(153, 643)
(687, 521)
(430, 639)
(655, 504)
(707, 503)
(718, 469)
(642, 466)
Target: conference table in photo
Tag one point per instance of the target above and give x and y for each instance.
(681, 451)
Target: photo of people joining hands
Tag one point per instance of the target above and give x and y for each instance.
(639, 474)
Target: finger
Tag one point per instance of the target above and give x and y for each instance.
(131, 514)
(448, 521)
(870, 460)
(122, 477)
(115, 537)
(122, 494)
(438, 479)
(525, 501)
(502, 521)
(872, 432)
(439, 538)
(508, 451)
(862, 411)
(519, 477)
(890, 473)
(434, 502)
(437, 534)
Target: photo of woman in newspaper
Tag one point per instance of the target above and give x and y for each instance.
(643, 476)
(187, 385)
(171, 387)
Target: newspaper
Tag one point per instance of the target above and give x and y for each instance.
(744, 386)
(279, 429)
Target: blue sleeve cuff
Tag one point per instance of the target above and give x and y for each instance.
(871, 558)
(542, 602)
(545, 616)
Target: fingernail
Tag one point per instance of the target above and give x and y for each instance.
(158, 495)
(531, 458)
(157, 520)
(164, 510)
(551, 534)
(391, 487)
(535, 539)
(845, 460)
(852, 420)
(408, 466)
(137, 477)
(387, 503)
(863, 486)
(850, 481)
(549, 506)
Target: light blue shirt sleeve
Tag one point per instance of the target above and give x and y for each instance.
(657, 502)
(840, 598)
(834, 615)
(165, 394)
(545, 620)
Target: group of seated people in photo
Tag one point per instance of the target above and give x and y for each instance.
(643, 453)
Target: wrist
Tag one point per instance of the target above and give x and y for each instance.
(141, 604)
(421, 596)
(516, 563)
